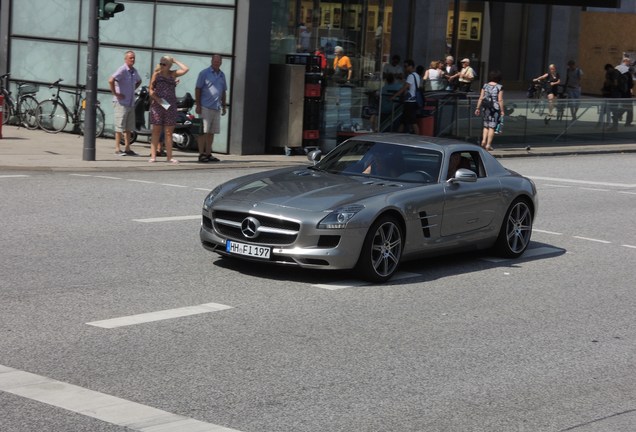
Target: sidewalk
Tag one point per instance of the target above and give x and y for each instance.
(23, 149)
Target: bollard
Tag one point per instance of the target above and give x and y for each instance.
(1, 113)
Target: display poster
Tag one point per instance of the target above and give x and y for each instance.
(469, 26)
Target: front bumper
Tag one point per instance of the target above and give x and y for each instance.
(312, 247)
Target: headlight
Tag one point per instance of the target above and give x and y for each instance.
(207, 203)
(339, 218)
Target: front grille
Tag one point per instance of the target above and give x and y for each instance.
(279, 231)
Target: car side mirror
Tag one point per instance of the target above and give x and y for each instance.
(314, 156)
(463, 175)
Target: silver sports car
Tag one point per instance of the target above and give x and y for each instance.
(371, 203)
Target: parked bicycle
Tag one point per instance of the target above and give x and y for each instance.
(20, 111)
(53, 115)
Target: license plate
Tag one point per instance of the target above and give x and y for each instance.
(247, 249)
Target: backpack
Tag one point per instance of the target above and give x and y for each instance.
(419, 94)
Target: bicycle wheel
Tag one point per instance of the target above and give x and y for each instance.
(6, 111)
(99, 121)
(28, 108)
(51, 116)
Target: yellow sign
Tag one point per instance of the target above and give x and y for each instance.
(469, 26)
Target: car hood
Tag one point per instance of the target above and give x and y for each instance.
(309, 190)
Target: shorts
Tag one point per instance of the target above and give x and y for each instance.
(124, 117)
(211, 120)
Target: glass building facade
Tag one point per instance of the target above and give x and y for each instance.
(47, 40)
(44, 40)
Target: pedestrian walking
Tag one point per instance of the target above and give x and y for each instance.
(411, 86)
(491, 105)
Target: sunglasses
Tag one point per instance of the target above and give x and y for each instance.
(163, 64)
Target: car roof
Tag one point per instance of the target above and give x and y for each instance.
(434, 143)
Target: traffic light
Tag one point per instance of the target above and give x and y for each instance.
(108, 9)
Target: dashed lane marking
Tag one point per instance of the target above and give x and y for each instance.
(584, 182)
(173, 185)
(627, 193)
(141, 181)
(101, 406)
(629, 246)
(168, 219)
(159, 315)
(558, 186)
(593, 240)
(546, 232)
(594, 189)
(14, 176)
(107, 177)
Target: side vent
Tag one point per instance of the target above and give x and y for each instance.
(426, 224)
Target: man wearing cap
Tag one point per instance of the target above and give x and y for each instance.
(466, 76)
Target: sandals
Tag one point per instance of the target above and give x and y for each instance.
(173, 161)
(152, 160)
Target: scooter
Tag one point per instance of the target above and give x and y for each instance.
(182, 137)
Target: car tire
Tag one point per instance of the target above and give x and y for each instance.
(381, 251)
(516, 230)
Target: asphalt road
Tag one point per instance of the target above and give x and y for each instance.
(461, 343)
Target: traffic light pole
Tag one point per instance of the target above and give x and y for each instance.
(91, 81)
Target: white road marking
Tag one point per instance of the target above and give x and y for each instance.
(101, 406)
(159, 315)
(172, 185)
(594, 189)
(558, 186)
(585, 182)
(14, 176)
(141, 181)
(167, 219)
(593, 240)
(529, 253)
(546, 232)
(203, 189)
(81, 175)
(627, 193)
(344, 284)
(629, 246)
(107, 177)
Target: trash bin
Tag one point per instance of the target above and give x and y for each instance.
(426, 121)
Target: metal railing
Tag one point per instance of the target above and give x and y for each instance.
(539, 122)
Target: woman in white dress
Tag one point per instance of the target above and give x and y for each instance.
(434, 77)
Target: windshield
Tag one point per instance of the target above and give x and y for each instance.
(388, 161)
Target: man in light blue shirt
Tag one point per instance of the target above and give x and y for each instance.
(122, 85)
(210, 93)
